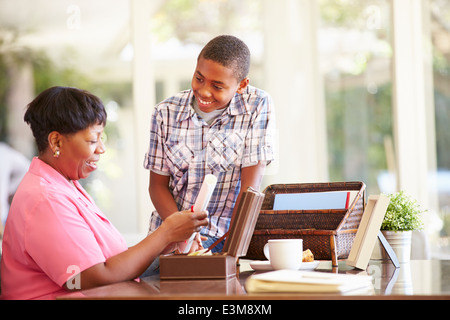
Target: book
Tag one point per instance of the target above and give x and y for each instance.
(290, 281)
(314, 200)
(368, 230)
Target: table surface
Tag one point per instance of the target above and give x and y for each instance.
(418, 279)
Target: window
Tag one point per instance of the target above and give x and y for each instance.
(440, 38)
(45, 43)
(355, 61)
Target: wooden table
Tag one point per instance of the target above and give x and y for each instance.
(419, 279)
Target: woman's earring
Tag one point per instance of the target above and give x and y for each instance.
(56, 153)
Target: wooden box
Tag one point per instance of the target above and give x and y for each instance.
(329, 234)
(219, 265)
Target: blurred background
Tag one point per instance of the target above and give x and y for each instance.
(361, 88)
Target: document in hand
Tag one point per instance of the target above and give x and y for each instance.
(289, 281)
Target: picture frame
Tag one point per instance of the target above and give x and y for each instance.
(368, 233)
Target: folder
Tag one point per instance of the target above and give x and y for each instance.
(314, 200)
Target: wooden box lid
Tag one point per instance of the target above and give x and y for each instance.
(243, 223)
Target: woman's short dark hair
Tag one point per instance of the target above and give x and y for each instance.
(65, 110)
(230, 52)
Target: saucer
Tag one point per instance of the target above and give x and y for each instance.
(264, 265)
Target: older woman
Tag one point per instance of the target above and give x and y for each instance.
(55, 237)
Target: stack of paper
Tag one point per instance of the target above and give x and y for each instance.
(289, 281)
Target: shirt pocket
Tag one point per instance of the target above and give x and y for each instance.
(225, 151)
(179, 155)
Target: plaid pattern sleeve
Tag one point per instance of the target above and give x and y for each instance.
(260, 142)
(155, 156)
(187, 148)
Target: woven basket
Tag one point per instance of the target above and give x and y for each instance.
(329, 234)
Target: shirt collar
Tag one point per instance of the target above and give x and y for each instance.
(238, 105)
(186, 110)
(47, 172)
(57, 180)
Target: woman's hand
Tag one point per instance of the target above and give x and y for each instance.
(181, 225)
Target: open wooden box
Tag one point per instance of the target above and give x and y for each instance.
(219, 265)
(329, 234)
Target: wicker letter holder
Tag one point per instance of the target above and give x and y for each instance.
(329, 234)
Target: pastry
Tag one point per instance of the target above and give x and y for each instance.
(308, 256)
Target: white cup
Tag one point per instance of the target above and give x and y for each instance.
(284, 253)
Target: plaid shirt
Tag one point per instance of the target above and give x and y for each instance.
(184, 147)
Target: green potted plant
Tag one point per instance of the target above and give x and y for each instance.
(403, 215)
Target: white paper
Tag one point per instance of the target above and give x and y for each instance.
(206, 191)
(304, 281)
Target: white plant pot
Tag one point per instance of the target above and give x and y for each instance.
(400, 242)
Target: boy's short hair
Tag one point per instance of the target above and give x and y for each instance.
(230, 52)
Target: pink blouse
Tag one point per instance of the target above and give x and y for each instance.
(53, 232)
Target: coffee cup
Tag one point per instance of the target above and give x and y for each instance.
(284, 253)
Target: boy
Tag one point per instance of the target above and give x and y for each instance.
(221, 126)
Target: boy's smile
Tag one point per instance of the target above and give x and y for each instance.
(215, 85)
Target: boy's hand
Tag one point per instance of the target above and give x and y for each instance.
(197, 243)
